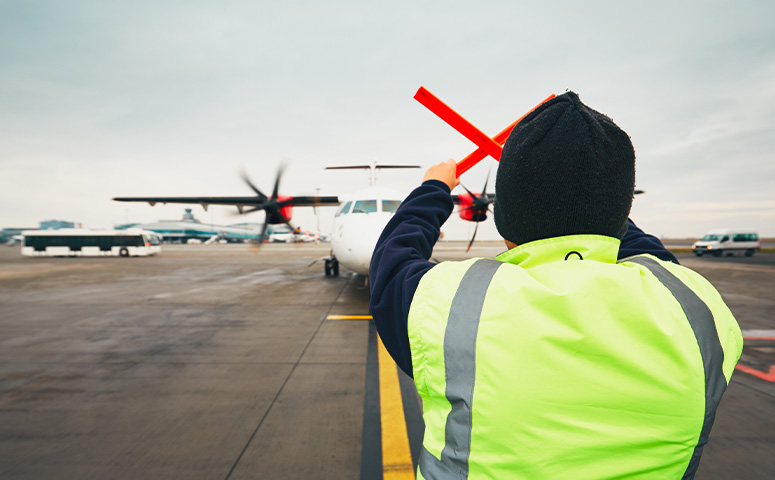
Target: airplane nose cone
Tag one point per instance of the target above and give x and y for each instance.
(356, 246)
(359, 255)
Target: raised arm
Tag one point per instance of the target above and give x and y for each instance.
(401, 258)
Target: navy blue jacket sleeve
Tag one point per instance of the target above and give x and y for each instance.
(400, 259)
(636, 242)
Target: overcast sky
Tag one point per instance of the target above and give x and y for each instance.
(104, 99)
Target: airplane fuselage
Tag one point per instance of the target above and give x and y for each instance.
(358, 224)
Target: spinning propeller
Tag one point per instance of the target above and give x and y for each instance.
(477, 210)
(273, 206)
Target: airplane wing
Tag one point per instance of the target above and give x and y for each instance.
(252, 201)
(278, 208)
(314, 201)
(490, 197)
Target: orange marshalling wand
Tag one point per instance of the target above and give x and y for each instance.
(487, 146)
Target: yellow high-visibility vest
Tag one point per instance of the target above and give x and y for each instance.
(556, 362)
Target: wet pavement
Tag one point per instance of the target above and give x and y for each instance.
(232, 362)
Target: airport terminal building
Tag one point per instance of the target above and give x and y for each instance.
(190, 228)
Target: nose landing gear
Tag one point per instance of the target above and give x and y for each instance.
(332, 267)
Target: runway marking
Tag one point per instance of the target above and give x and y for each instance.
(758, 334)
(396, 456)
(766, 335)
(766, 376)
(348, 317)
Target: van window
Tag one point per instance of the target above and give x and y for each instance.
(345, 208)
(711, 238)
(745, 237)
(365, 206)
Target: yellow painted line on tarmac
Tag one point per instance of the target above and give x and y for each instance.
(348, 317)
(396, 456)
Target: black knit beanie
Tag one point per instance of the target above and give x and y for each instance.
(565, 170)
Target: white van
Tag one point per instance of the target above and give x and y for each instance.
(720, 242)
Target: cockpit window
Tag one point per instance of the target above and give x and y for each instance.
(345, 208)
(365, 206)
(390, 205)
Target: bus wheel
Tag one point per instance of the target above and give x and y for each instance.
(123, 252)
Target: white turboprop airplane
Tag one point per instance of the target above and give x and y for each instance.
(362, 216)
(358, 223)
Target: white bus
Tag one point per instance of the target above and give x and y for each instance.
(90, 243)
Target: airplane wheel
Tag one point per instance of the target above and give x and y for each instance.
(328, 268)
(335, 267)
(123, 252)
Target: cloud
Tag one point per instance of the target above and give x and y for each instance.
(147, 98)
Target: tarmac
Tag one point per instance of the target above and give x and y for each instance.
(234, 362)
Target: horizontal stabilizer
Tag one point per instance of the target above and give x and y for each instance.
(362, 167)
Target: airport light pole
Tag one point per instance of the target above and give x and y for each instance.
(317, 212)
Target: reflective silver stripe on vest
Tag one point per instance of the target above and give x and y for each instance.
(460, 369)
(701, 320)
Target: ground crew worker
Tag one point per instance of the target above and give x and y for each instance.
(584, 351)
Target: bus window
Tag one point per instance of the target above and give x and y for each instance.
(105, 243)
(37, 243)
(75, 243)
(345, 208)
(56, 241)
(153, 240)
(365, 206)
(390, 205)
